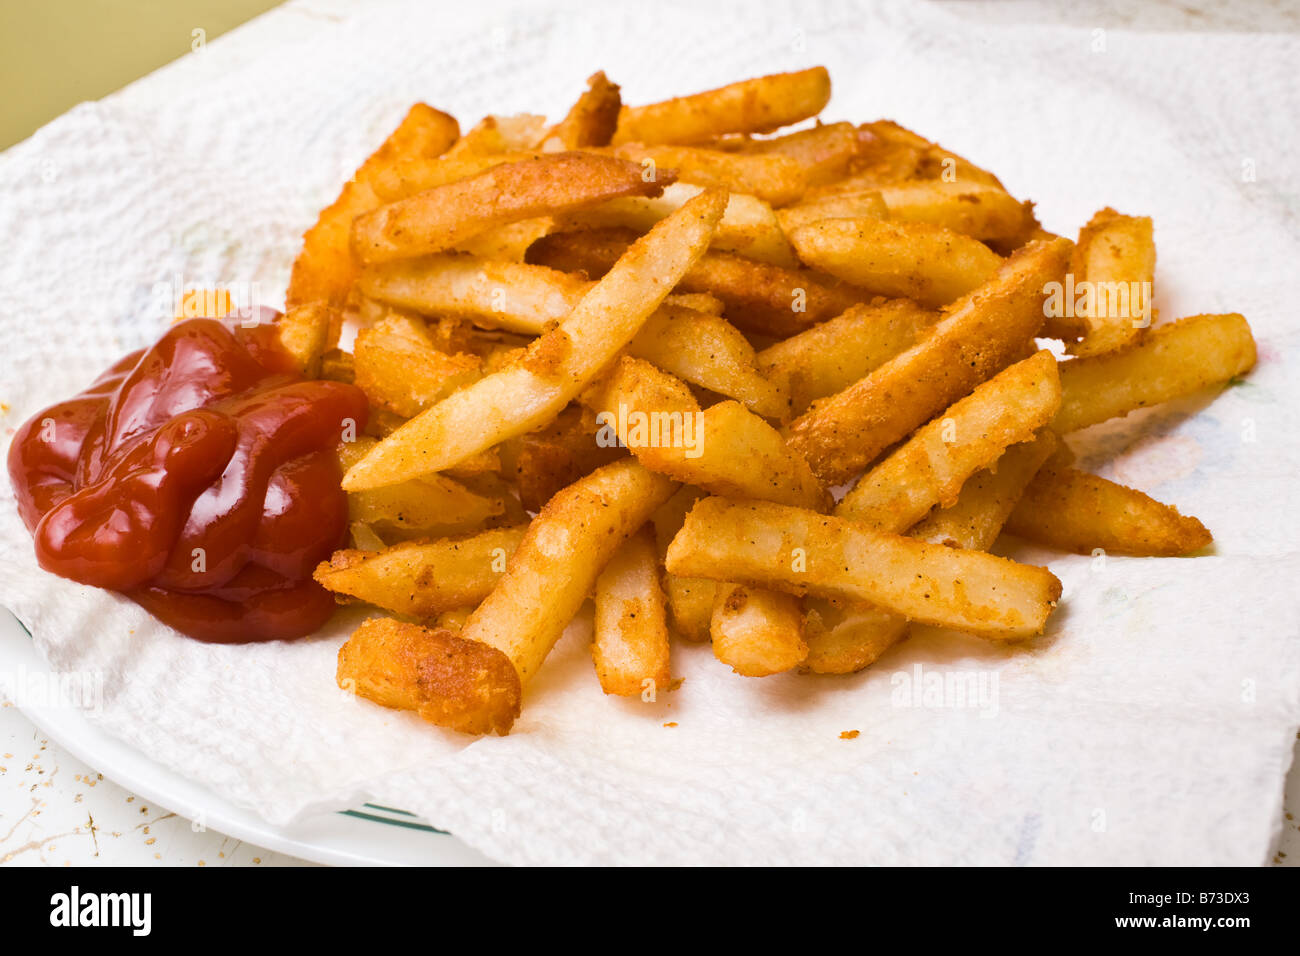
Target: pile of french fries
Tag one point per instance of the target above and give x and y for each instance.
(780, 391)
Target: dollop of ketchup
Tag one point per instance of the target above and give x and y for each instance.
(200, 478)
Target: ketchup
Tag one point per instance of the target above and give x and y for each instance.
(199, 477)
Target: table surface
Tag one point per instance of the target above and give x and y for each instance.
(56, 810)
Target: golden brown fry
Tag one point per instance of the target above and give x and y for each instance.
(423, 578)
(749, 226)
(772, 178)
(931, 467)
(556, 366)
(757, 632)
(496, 135)
(834, 354)
(913, 260)
(398, 368)
(591, 121)
(726, 449)
(750, 106)
(759, 297)
(928, 160)
(324, 269)
(441, 217)
(1114, 265)
(802, 552)
(861, 204)
(307, 331)
(509, 295)
(1170, 361)
(404, 179)
(630, 647)
(690, 600)
(825, 153)
(844, 637)
(974, 520)
(708, 351)
(1072, 510)
(840, 435)
(971, 209)
(556, 564)
(447, 680)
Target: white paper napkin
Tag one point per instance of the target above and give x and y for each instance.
(1154, 722)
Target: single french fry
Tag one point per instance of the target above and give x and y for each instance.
(407, 177)
(843, 637)
(931, 467)
(690, 600)
(825, 153)
(324, 269)
(751, 106)
(495, 135)
(1113, 266)
(930, 160)
(974, 520)
(1171, 361)
(862, 204)
(423, 578)
(914, 260)
(708, 351)
(757, 632)
(445, 679)
(842, 434)
(773, 178)
(725, 449)
(508, 295)
(556, 366)
(306, 332)
(749, 226)
(439, 218)
(971, 209)
(802, 552)
(834, 354)
(591, 121)
(759, 297)
(398, 368)
(630, 646)
(584, 525)
(1072, 510)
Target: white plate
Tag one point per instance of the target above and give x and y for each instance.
(367, 835)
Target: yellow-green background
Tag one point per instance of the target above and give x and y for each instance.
(56, 53)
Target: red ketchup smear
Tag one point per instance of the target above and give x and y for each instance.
(199, 478)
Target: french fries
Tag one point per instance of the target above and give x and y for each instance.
(492, 293)
(585, 524)
(1114, 263)
(556, 366)
(914, 260)
(630, 648)
(1074, 511)
(324, 269)
(423, 578)
(726, 448)
(448, 681)
(757, 632)
(933, 465)
(770, 177)
(397, 366)
(439, 218)
(576, 337)
(834, 354)
(758, 297)
(1171, 361)
(842, 434)
(590, 122)
(751, 106)
(802, 552)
